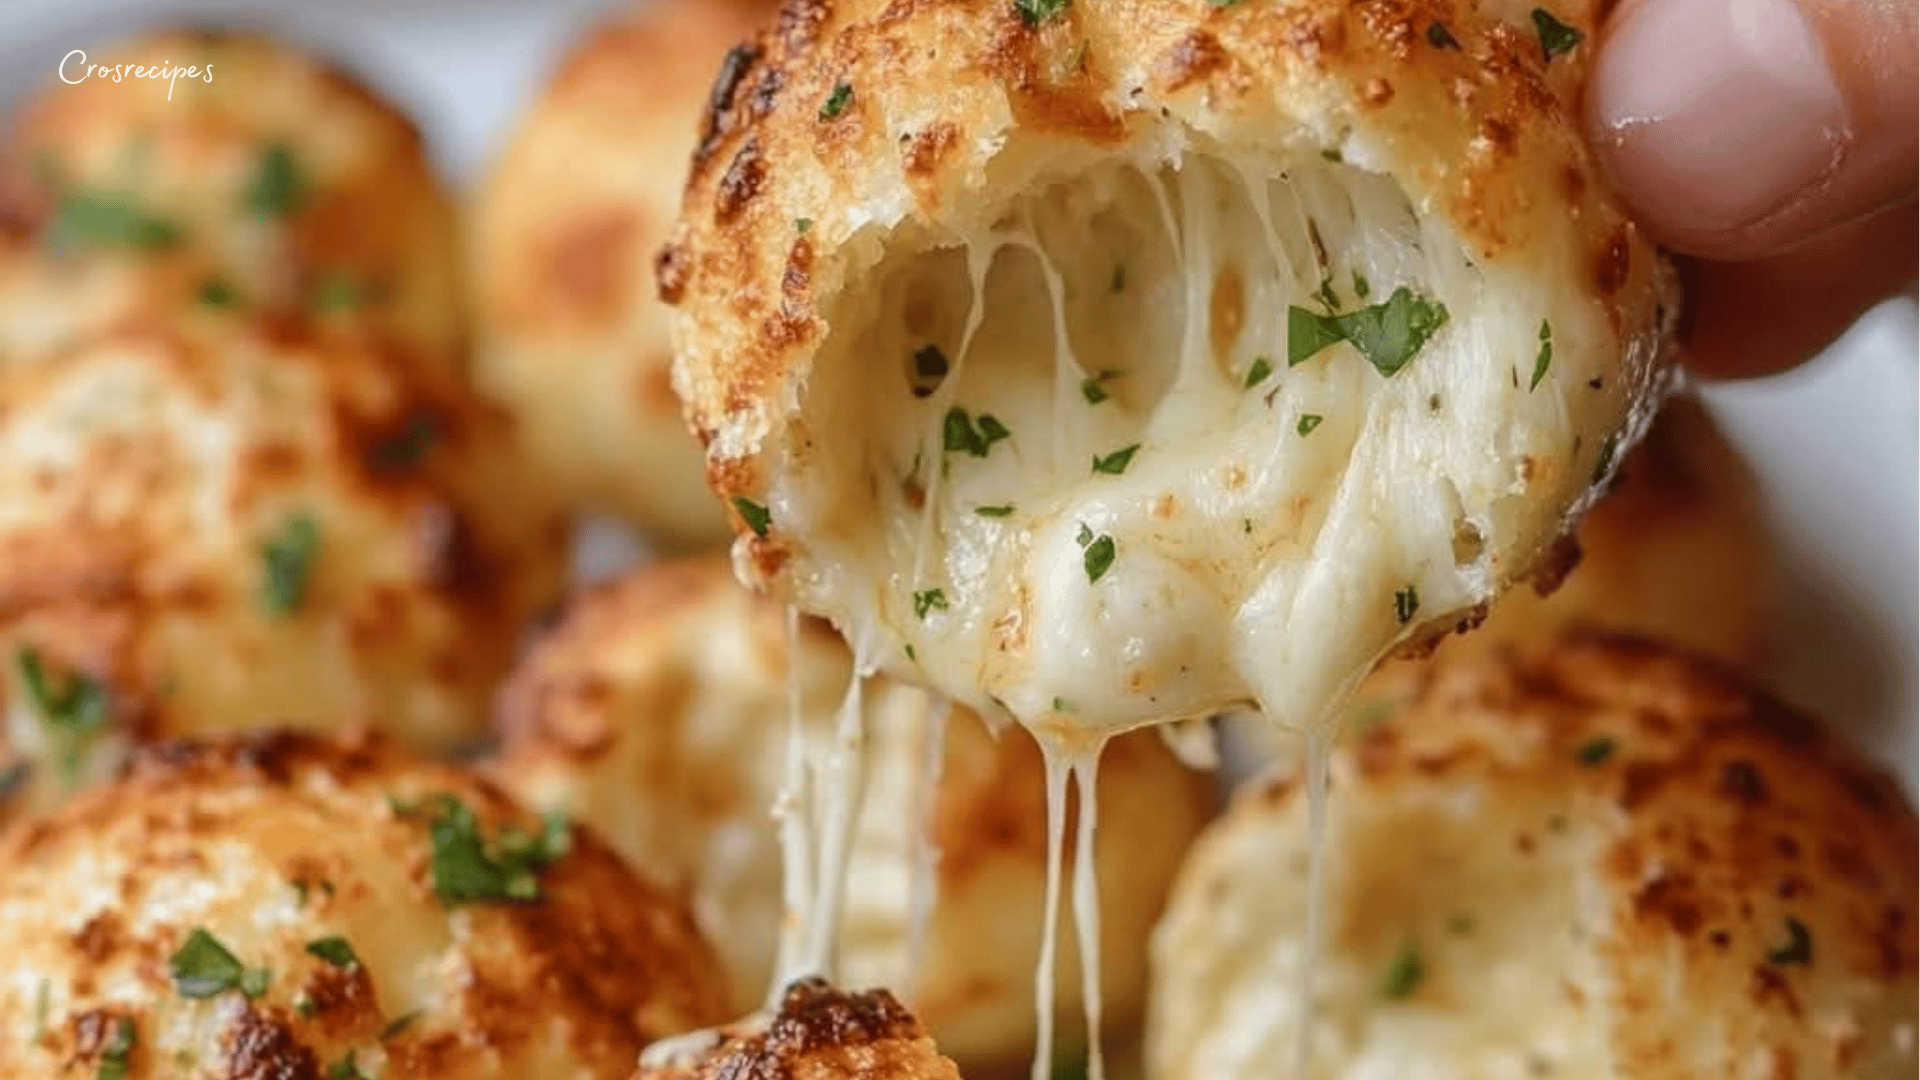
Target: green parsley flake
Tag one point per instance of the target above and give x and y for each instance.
(1388, 334)
(1440, 37)
(1545, 360)
(930, 363)
(254, 982)
(345, 1069)
(1404, 975)
(202, 967)
(1556, 37)
(287, 562)
(1003, 510)
(334, 950)
(1405, 602)
(1332, 154)
(963, 434)
(1084, 536)
(1361, 287)
(1116, 463)
(114, 1055)
(837, 101)
(753, 514)
(1594, 751)
(1258, 371)
(1797, 950)
(73, 713)
(1326, 294)
(468, 869)
(929, 600)
(1099, 558)
(802, 225)
(397, 1025)
(1062, 705)
(1607, 450)
(1308, 421)
(1036, 12)
(216, 292)
(335, 293)
(1091, 389)
(407, 446)
(276, 189)
(83, 219)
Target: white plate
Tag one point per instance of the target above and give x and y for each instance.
(1836, 443)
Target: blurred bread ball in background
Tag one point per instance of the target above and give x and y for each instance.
(281, 186)
(213, 531)
(285, 906)
(569, 332)
(817, 1033)
(1587, 858)
(1677, 549)
(655, 712)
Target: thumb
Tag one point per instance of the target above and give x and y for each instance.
(1741, 128)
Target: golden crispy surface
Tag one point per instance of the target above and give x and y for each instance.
(570, 334)
(654, 711)
(225, 528)
(819, 1033)
(282, 187)
(1592, 857)
(271, 843)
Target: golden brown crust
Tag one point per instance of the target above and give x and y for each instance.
(819, 1032)
(273, 842)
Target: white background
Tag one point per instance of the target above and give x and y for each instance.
(1836, 443)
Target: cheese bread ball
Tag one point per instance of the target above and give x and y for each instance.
(818, 1033)
(562, 239)
(276, 185)
(656, 712)
(1592, 859)
(210, 532)
(1135, 361)
(1677, 550)
(283, 906)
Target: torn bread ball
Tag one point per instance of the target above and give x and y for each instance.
(213, 532)
(656, 712)
(818, 1033)
(285, 906)
(568, 332)
(1593, 858)
(267, 182)
(1134, 361)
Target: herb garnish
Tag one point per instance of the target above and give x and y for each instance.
(1405, 602)
(802, 225)
(406, 446)
(287, 560)
(1440, 37)
(119, 1046)
(1116, 463)
(397, 1025)
(1308, 421)
(1388, 334)
(1326, 295)
(83, 219)
(1556, 37)
(1099, 558)
(216, 292)
(1594, 751)
(337, 292)
(1405, 974)
(755, 515)
(1545, 359)
(929, 363)
(837, 101)
(1799, 946)
(962, 433)
(929, 600)
(1361, 287)
(1607, 450)
(345, 1069)
(72, 714)
(276, 189)
(1257, 372)
(1035, 12)
(334, 950)
(467, 868)
(1091, 389)
(1003, 510)
(202, 967)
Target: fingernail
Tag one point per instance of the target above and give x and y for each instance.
(1717, 113)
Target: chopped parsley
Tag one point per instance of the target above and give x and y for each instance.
(1388, 334)
(303, 1006)
(1607, 450)
(336, 292)
(407, 446)
(1084, 536)
(1308, 421)
(1099, 558)
(202, 967)
(753, 514)
(397, 1025)
(1003, 510)
(1361, 287)
(1405, 602)
(1594, 751)
(1404, 974)
(1556, 37)
(1440, 37)
(1545, 359)
(1091, 389)
(467, 868)
(837, 101)
(216, 292)
(1258, 371)
(1062, 705)
(1036, 12)
(964, 434)
(114, 1055)
(334, 950)
(802, 225)
(276, 189)
(1797, 950)
(929, 600)
(1332, 154)
(910, 653)
(86, 219)
(1327, 296)
(345, 1069)
(1116, 463)
(287, 562)
(73, 713)
(929, 368)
